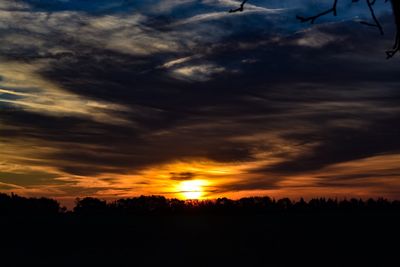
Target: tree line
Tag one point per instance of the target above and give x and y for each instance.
(146, 205)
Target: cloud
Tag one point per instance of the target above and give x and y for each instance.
(129, 98)
(197, 73)
(175, 62)
(21, 87)
(182, 176)
(316, 39)
(13, 5)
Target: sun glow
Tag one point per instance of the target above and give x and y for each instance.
(192, 189)
(189, 179)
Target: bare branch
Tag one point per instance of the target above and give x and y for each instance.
(240, 8)
(313, 18)
(376, 22)
(396, 15)
(333, 10)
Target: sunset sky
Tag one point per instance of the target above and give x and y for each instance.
(119, 98)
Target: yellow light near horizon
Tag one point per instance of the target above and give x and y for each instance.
(192, 189)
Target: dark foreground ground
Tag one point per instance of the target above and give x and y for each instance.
(268, 239)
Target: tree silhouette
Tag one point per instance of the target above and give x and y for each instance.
(395, 4)
(90, 206)
(16, 205)
(155, 231)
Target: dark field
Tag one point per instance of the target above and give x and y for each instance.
(200, 237)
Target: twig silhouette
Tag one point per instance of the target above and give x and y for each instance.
(240, 8)
(375, 21)
(312, 19)
(396, 14)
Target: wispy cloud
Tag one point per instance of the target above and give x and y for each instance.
(22, 87)
(197, 72)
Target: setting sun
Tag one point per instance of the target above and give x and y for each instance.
(192, 189)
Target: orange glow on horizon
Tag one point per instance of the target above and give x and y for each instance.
(191, 179)
(200, 178)
(192, 189)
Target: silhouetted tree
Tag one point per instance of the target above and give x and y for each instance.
(284, 204)
(252, 231)
(159, 205)
(90, 206)
(16, 205)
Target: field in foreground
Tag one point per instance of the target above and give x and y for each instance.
(352, 235)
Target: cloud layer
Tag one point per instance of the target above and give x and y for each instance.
(120, 98)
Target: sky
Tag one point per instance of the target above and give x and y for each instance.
(120, 98)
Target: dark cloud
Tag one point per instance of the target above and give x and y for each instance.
(29, 179)
(335, 145)
(359, 176)
(267, 183)
(182, 176)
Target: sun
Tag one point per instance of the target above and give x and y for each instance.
(192, 189)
